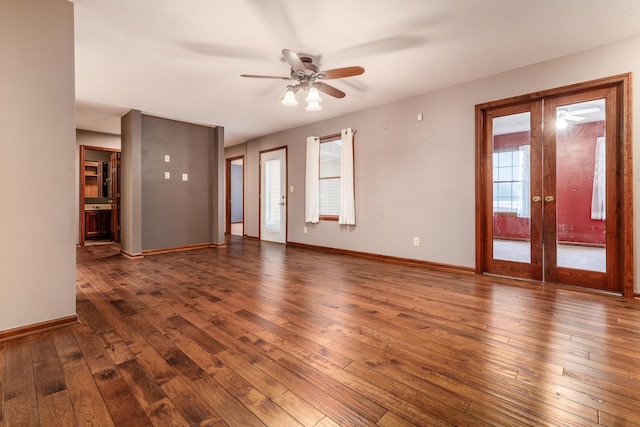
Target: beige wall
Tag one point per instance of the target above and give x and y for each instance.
(37, 167)
(418, 178)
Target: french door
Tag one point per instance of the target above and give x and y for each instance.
(273, 195)
(551, 189)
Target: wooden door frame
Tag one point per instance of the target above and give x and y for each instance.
(228, 192)
(82, 156)
(286, 186)
(622, 85)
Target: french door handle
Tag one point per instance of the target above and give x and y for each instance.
(548, 199)
(536, 199)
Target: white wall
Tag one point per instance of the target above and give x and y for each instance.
(90, 139)
(418, 178)
(37, 168)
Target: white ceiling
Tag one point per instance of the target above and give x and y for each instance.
(182, 59)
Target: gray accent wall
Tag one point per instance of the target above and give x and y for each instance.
(217, 185)
(176, 212)
(161, 213)
(131, 184)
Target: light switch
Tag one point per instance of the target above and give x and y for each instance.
(291, 189)
(167, 158)
(185, 177)
(167, 175)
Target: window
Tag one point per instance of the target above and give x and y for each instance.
(508, 176)
(329, 174)
(329, 179)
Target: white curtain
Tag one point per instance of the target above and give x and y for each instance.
(347, 191)
(599, 195)
(524, 209)
(312, 182)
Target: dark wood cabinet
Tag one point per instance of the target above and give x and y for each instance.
(97, 224)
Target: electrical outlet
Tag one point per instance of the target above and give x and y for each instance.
(167, 175)
(305, 230)
(185, 177)
(416, 241)
(167, 158)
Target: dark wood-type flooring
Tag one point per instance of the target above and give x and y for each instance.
(264, 334)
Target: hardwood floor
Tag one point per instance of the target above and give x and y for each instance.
(263, 334)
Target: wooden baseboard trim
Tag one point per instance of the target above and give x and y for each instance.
(35, 328)
(178, 249)
(131, 256)
(387, 258)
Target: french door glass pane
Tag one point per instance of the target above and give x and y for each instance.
(580, 186)
(273, 196)
(511, 187)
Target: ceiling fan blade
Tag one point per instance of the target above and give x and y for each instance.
(585, 111)
(329, 90)
(339, 73)
(294, 60)
(256, 76)
(573, 118)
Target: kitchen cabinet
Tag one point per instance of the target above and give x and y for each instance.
(97, 224)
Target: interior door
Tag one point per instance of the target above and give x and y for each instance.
(513, 215)
(273, 195)
(552, 190)
(114, 195)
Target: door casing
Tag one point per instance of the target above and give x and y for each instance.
(81, 203)
(228, 192)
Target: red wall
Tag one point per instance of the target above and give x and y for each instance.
(575, 153)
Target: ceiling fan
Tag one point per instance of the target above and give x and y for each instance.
(563, 114)
(310, 79)
(575, 116)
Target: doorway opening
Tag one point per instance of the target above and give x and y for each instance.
(273, 195)
(554, 186)
(99, 201)
(235, 196)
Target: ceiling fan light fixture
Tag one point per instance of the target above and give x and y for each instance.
(289, 98)
(561, 123)
(313, 106)
(313, 96)
(309, 78)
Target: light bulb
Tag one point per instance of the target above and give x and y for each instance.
(313, 106)
(561, 123)
(313, 96)
(289, 99)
